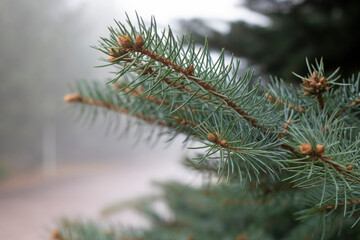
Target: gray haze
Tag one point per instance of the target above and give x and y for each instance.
(44, 46)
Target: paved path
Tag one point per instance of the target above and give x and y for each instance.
(30, 205)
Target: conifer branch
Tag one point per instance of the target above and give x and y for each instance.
(278, 101)
(183, 121)
(307, 149)
(320, 100)
(328, 207)
(76, 98)
(353, 103)
(150, 71)
(220, 142)
(213, 138)
(283, 131)
(344, 170)
(125, 42)
(315, 86)
(139, 91)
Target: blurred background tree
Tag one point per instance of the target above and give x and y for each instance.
(44, 45)
(32, 50)
(297, 29)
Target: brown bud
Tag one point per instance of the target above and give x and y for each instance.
(217, 135)
(313, 84)
(127, 90)
(74, 97)
(350, 167)
(177, 119)
(117, 86)
(269, 97)
(125, 41)
(320, 148)
(323, 80)
(288, 121)
(211, 137)
(314, 74)
(304, 81)
(55, 235)
(139, 41)
(190, 70)
(223, 142)
(305, 148)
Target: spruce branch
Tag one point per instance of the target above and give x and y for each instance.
(328, 207)
(195, 70)
(283, 131)
(352, 104)
(306, 149)
(307, 139)
(315, 86)
(278, 101)
(133, 46)
(76, 98)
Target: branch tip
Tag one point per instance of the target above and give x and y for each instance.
(212, 137)
(56, 235)
(306, 148)
(320, 149)
(139, 41)
(73, 97)
(315, 86)
(350, 167)
(278, 101)
(125, 41)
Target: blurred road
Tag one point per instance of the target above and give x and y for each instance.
(31, 204)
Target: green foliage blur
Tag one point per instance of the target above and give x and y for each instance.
(297, 29)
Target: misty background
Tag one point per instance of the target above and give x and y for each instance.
(44, 47)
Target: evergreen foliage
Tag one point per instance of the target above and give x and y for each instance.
(298, 29)
(287, 158)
